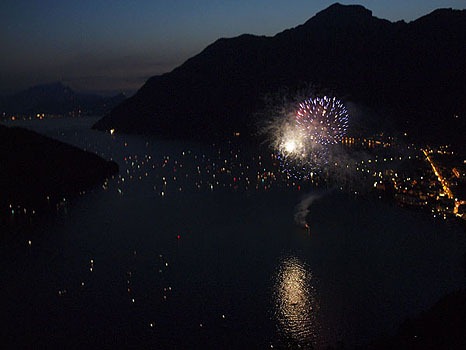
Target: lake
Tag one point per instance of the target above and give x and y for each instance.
(197, 246)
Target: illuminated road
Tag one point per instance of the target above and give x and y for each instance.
(443, 182)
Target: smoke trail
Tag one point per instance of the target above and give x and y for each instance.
(303, 208)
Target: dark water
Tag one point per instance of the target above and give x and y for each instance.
(194, 250)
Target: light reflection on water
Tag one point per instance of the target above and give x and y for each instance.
(296, 303)
(375, 265)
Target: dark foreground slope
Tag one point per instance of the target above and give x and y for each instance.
(415, 70)
(443, 326)
(34, 167)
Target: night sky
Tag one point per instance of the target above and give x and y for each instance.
(108, 46)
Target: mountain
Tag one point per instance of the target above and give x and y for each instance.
(35, 167)
(56, 98)
(415, 72)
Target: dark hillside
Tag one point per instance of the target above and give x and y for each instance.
(35, 167)
(414, 72)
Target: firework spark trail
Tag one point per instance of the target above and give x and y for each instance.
(324, 120)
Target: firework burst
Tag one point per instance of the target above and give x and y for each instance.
(304, 136)
(323, 120)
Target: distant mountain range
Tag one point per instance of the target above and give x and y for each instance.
(413, 72)
(56, 98)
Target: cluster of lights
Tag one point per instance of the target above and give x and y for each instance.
(304, 156)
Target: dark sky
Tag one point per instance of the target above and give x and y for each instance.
(108, 46)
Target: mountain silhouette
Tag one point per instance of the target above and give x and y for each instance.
(415, 72)
(56, 98)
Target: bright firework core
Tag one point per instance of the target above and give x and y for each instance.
(302, 138)
(291, 141)
(290, 146)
